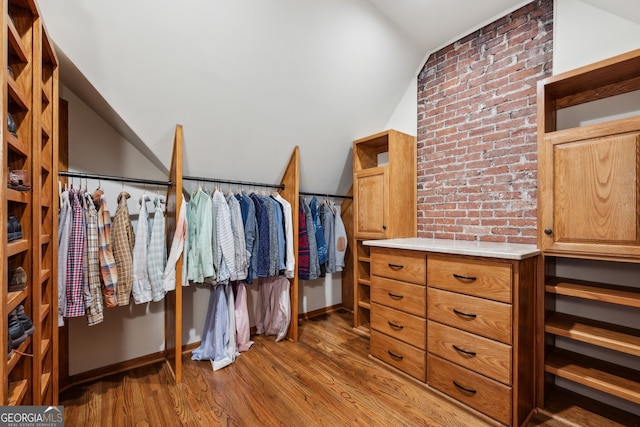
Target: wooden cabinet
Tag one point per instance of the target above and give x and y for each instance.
(384, 204)
(29, 96)
(398, 309)
(463, 324)
(589, 209)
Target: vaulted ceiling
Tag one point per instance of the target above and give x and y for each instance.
(251, 79)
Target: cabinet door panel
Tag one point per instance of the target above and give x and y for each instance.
(597, 202)
(371, 205)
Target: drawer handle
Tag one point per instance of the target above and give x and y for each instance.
(468, 353)
(395, 296)
(466, 390)
(461, 313)
(395, 356)
(395, 325)
(461, 277)
(396, 266)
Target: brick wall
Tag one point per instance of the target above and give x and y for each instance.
(477, 150)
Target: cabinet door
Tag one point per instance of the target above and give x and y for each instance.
(593, 203)
(371, 203)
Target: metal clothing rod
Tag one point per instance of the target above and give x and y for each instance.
(304, 193)
(114, 178)
(227, 181)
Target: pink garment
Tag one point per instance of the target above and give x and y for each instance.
(274, 307)
(243, 328)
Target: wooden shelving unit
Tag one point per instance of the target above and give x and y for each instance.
(30, 94)
(588, 210)
(385, 205)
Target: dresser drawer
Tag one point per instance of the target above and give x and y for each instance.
(485, 279)
(399, 355)
(490, 319)
(481, 393)
(398, 264)
(399, 295)
(487, 357)
(400, 325)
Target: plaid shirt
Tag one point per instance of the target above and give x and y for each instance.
(75, 257)
(157, 252)
(123, 240)
(141, 285)
(94, 310)
(108, 270)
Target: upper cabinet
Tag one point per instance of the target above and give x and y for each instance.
(384, 182)
(589, 180)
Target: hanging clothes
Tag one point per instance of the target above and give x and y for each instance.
(215, 335)
(95, 312)
(75, 306)
(262, 219)
(341, 240)
(141, 288)
(248, 211)
(323, 256)
(290, 259)
(243, 327)
(303, 246)
(239, 244)
(157, 251)
(314, 264)
(200, 263)
(274, 307)
(325, 213)
(108, 270)
(224, 239)
(123, 240)
(64, 233)
(180, 239)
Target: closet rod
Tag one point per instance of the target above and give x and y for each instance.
(114, 178)
(338, 196)
(227, 181)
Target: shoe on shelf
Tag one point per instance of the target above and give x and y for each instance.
(9, 347)
(16, 330)
(19, 180)
(26, 323)
(17, 279)
(14, 229)
(11, 125)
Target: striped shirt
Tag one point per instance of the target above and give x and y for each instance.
(75, 266)
(95, 312)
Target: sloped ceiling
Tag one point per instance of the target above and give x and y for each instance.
(251, 79)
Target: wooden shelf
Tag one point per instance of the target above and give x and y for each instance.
(17, 196)
(614, 337)
(16, 94)
(17, 390)
(595, 373)
(16, 356)
(44, 347)
(44, 275)
(364, 304)
(365, 282)
(364, 329)
(15, 298)
(16, 43)
(45, 238)
(578, 410)
(17, 145)
(45, 380)
(44, 312)
(14, 248)
(594, 291)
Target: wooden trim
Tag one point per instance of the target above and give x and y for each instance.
(319, 312)
(116, 368)
(291, 193)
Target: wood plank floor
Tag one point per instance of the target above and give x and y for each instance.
(326, 379)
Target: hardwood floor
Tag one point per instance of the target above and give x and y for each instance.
(326, 379)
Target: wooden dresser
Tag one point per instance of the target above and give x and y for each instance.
(459, 316)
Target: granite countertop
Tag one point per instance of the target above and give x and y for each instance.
(459, 247)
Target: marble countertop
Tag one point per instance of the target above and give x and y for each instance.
(459, 247)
